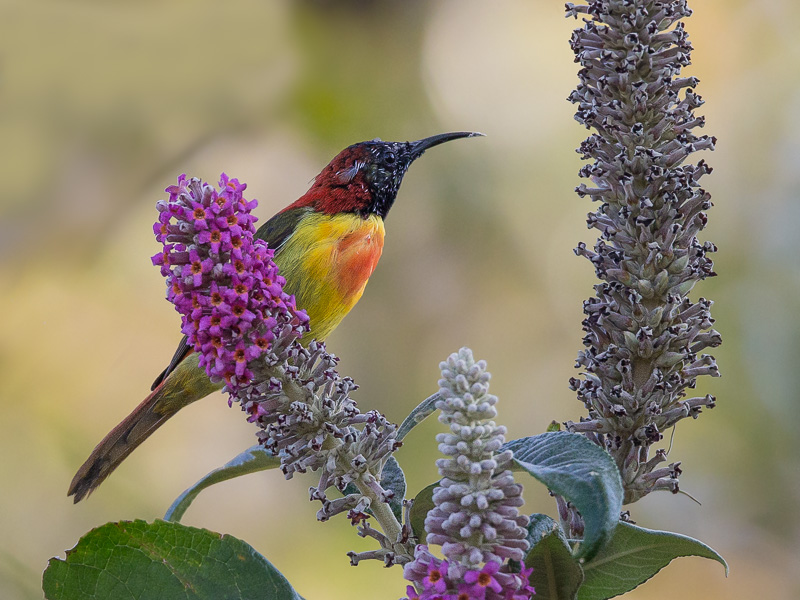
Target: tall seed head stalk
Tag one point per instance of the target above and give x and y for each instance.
(644, 337)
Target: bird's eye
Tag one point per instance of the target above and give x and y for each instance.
(389, 159)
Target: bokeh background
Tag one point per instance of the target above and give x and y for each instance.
(103, 104)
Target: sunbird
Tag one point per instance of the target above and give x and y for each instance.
(327, 244)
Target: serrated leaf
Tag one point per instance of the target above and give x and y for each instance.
(556, 574)
(252, 460)
(580, 471)
(423, 410)
(135, 560)
(633, 556)
(423, 503)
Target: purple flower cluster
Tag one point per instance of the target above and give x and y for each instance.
(434, 579)
(221, 280)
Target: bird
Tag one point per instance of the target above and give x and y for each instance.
(327, 244)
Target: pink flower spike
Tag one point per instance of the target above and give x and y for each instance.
(216, 278)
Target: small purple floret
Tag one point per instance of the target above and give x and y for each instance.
(484, 578)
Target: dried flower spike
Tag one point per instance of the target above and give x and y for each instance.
(643, 334)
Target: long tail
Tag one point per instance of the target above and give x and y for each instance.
(119, 443)
(183, 386)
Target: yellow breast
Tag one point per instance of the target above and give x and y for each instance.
(327, 262)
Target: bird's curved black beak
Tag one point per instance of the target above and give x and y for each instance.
(417, 148)
(391, 161)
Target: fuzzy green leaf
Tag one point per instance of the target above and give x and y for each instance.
(580, 471)
(423, 503)
(423, 410)
(393, 478)
(135, 560)
(556, 574)
(252, 460)
(633, 556)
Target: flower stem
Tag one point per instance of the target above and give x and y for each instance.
(383, 514)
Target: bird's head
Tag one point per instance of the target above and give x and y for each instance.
(364, 178)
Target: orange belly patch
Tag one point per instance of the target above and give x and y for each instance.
(358, 255)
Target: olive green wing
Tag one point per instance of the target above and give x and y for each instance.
(277, 231)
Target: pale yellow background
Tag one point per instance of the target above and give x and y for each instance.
(103, 104)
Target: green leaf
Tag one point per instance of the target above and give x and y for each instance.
(556, 574)
(423, 503)
(393, 478)
(252, 460)
(633, 556)
(580, 471)
(425, 409)
(135, 560)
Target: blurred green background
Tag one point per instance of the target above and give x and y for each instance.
(103, 104)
